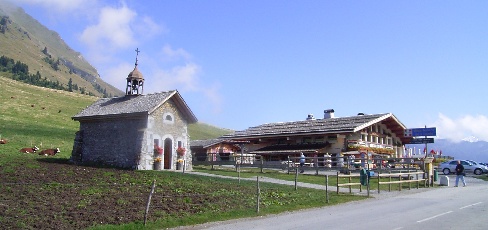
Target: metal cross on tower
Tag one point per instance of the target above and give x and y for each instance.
(137, 54)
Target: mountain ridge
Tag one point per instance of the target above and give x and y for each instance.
(25, 39)
(477, 151)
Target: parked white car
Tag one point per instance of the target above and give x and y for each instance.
(449, 167)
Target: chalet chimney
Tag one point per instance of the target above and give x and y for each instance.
(328, 113)
(310, 117)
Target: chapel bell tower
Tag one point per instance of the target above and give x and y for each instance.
(135, 80)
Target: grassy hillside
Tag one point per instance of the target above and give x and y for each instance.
(202, 131)
(23, 39)
(39, 116)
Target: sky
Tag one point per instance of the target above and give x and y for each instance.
(244, 63)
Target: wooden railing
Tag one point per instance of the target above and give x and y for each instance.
(401, 180)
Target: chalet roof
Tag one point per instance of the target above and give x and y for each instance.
(211, 142)
(134, 105)
(321, 126)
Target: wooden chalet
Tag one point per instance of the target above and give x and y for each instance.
(376, 134)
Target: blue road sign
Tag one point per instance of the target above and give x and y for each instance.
(417, 132)
(421, 141)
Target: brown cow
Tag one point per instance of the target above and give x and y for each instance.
(29, 150)
(49, 152)
(3, 141)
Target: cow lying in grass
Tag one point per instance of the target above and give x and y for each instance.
(49, 152)
(29, 150)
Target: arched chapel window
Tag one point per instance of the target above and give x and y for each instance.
(168, 118)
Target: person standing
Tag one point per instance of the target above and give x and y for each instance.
(460, 174)
(302, 162)
(352, 161)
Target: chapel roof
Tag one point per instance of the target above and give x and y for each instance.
(133, 106)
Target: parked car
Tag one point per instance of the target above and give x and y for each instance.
(449, 167)
(479, 164)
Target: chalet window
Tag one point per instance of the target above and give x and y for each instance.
(282, 141)
(319, 140)
(332, 138)
(364, 137)
(168, 118)
(307, 140)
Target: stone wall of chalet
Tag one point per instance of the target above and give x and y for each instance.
(114, 142)
(166, 123)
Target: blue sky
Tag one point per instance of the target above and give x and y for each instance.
(239, 64)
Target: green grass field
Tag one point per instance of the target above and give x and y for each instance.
(39, 192)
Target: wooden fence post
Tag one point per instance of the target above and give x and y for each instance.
(258, 190)
(379, 176)
(288, 165)
(337, 182)
(262, 162)
(149, 201)
(316, 164)
(327, 188)
(296, 178)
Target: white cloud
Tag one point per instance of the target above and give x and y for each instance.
(459, 128)
(147, 28)
(169, 54)
(182, 77)
(112, 32)
(214, 98)
(174, 69)
(116, 75)
(116, 30)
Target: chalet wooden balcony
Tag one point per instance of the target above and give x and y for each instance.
(371, 147)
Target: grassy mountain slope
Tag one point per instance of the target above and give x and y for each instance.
(23, 39)
(34, 115)
(202, 131)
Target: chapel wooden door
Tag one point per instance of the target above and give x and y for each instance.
(168, 147)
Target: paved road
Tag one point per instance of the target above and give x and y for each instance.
(425, 208)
